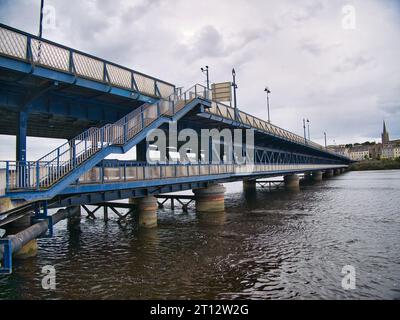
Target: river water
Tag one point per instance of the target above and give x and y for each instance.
(268, 245)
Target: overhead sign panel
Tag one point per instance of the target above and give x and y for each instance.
(222, 91)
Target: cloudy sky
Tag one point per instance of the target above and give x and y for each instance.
(320, 63)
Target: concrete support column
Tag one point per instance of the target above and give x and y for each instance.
(249, 185)
(316, 176)
(292, 182)
(141, 149)
(147, 211)
(307, 176)
(76, 214)
(75, 211)
(328, 173)
(210, 199)
(337, 172)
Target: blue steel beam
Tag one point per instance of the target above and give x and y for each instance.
(21, 136)
(60, 104)
(54, 75)
(92, 198)
(227, 177)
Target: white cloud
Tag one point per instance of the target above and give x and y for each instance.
(345, 81)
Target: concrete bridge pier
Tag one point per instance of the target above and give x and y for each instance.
(328, 173)
(292, 182)
(76, 213)
(210, 199)
(316, 176)
(249, 185)
(73, 222)
(337, 171)
(147, 211)
(307, 177)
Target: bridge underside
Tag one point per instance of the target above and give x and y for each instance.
(55, 109)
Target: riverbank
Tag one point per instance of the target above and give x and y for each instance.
(375, 165)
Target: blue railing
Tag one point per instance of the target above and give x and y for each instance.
(124, 171)
(20, 45)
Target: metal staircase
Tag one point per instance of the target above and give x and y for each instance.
(57, 164)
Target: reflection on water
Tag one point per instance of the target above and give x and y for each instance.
(278, 244)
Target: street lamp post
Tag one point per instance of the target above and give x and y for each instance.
(308, 128)
(41, 18)
(234, 92)
(325, 139)
(205, 70)
(304, 128)
(268, 92)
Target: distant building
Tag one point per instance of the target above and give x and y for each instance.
(396, 152)
(340, 149)
(359, 153)
(375, 151)
(385, 150)
(390, 151)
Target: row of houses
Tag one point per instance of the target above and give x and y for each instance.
(364, 152)
(385, 150)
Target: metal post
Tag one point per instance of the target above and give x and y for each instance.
(7, 176)
(304, 127)
(41, 18)
(234, 93)
(308, 127)
(6, 268)
(268, 92)
(207, 75)
(21, 136)
(37, 175)
(21, 148)
(325, 139)
(105, 213)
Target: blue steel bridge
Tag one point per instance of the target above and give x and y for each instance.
(101, 108)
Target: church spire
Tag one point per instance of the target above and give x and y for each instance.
(385, 134)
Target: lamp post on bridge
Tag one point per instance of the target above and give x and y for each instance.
(205, 70)
(234, 85)
(304, 128)
(41, 19)
(308, 128)
(268, 92)
(325, 139)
